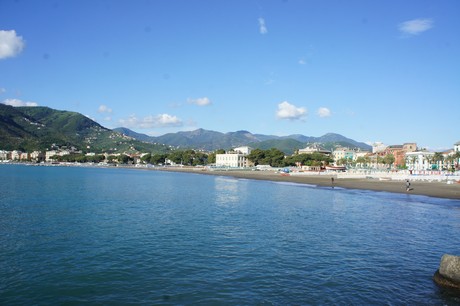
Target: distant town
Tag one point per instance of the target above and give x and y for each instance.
(314, 157)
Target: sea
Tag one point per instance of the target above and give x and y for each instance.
(116, 236)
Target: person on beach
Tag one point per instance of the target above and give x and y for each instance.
(332, 182)
(408, 185)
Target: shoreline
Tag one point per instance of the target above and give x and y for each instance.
(432, 189)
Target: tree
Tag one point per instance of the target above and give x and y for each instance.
(388, 159)
(146, 158)
(157, 159)
(413, 159)
(438, 158)
(362, 161)
(457, 158)
(124, 159)
(275, 157)
(175, 157)
(450, 159)
(200, 159)
(257, 156)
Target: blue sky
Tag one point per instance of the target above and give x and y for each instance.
(384, 71)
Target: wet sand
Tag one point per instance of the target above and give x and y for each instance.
(433, 189)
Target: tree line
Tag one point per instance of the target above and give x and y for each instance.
(273, 157)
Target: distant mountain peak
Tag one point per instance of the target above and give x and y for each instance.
(212, 140)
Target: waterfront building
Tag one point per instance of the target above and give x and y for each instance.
(4, 155)
(457, 147)
(378, 147)
(16, 155)
(49, 154)
(398, 153)
(236, 158)
(410, 147)
(36, 156)
(243, 150)
(24, 156)
(344, 153)
(419, 160)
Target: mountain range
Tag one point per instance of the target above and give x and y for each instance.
(212, 140)
(39, 128)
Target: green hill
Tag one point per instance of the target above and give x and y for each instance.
(288, 146)
(38, 128)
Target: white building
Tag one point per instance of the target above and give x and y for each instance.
(314, 148)
(16, 155)
(457, 147)
(50, 154)
(236, 158)
(36, 155)
(419, 160)
(243, 150)
(4, 155)
(378, 147)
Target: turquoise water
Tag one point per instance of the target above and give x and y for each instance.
(120, 236)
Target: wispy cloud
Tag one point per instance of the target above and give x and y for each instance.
(104, 109)
(415, 26)
(200, 101)
(17, 102)
(158, 121)
(10, 44)
(262, 26)
(290, 111)
(302, 61)
(324, 112)
(2, 90)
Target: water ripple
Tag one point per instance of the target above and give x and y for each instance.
(111, 236)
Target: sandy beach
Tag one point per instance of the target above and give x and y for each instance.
(419, 187)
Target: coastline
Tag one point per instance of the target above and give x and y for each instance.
(418, 187)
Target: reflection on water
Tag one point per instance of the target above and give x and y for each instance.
(228, 191)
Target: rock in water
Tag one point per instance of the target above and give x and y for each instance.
(448, 274)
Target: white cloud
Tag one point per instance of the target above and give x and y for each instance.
(302, 62)
(200, 101)
(262, 27)
(416, 26)
(289, 111)
(104, 109)
(10, 44)
(17, 102)
(2, 90)
(323, 112)
(162, 120)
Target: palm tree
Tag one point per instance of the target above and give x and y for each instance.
(457, 157)
(361, 161)
(413, 160)
(438, 158)
(450, 161)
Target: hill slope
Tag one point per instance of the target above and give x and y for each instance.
(38, 128)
